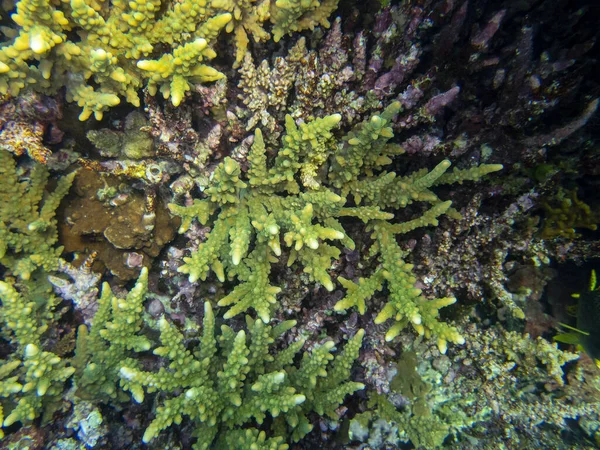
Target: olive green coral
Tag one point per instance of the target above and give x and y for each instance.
(30, 378)
(299, 198)
(109, 343)
(252, 211)
(28, 228)
(227, 383)
(565, 213)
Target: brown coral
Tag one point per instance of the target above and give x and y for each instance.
(124, 231)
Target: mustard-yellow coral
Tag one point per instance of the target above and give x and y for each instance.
(107, 62)
(103, 51)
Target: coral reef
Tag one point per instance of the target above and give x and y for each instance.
(220, 385)
(108, 56)
(469, 257)
(319, 208)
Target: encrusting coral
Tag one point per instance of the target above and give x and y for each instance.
(295, 199)
(126, 227)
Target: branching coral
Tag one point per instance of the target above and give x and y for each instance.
(110, 54)
(31, 377)
(291, 200)
(498, 380)
(221, 385)
(224, 385)
(110, 342)
(28, 229)
(570, 214)
(112, 59)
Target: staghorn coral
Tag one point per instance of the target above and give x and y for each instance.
(30, 378)
(111, 51)
(305, 84)
(344, 76)
(28, 228)
(260, 211)
(226, 385)
(248, 19)
(294, 15)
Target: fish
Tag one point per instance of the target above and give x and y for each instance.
(586, 334)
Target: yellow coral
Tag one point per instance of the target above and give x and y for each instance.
(248, 17)
(106, 64)
(297, 15)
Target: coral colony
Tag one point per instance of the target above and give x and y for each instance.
(254, 224)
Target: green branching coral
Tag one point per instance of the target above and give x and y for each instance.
(248, 19)
(227, 383)
(114, 335)
(31, 377)
(298, 199)
(28, 229)
(253, 212)
(298, 15)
